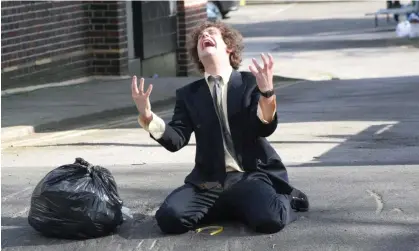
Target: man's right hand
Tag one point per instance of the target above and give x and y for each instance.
(141, 98)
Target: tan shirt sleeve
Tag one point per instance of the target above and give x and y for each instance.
(156, 126)
(267, 118)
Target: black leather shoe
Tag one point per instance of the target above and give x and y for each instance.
(299, 201)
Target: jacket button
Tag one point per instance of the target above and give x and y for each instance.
(198, 126)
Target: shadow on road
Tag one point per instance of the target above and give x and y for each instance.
(344, 215)
(338, 44)
(321, 34)
(311, 27)
(317, 227)
(387, 105)
(16, 232)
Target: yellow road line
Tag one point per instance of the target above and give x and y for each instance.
(76, 132)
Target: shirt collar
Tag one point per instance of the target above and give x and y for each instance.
(225, 75)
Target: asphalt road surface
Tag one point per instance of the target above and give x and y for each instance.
(352, 146)
(326, 40)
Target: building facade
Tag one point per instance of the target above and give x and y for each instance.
(53, 41)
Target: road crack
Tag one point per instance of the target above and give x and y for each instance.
(378, 200)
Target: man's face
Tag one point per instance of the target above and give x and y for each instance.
(211, 43)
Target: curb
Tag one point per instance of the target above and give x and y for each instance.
(17, 132)
(278, 78)
(74, 122)
(77, 81)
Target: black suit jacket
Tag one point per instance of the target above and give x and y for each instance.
(194, 112)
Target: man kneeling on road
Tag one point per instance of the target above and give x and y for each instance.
(237, 174)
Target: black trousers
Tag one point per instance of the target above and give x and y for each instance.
(246, 197)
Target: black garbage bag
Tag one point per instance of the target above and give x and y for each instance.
(76, 201)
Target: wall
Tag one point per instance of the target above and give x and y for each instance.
(52, 41)
(154, 38)
(190, 13)
(43, 41)
(107, 31)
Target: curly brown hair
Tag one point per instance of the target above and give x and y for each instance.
(231, 37)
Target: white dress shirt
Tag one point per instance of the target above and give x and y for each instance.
(231, 164)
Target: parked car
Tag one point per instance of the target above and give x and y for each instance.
(217, 10)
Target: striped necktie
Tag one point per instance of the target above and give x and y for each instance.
(217, 98)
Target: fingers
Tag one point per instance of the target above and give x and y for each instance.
(140, 90)
(253, 70)
(149, 89)
(265, 61)
(141, 85)
(271, 61)
(134, 87)
(257, 65)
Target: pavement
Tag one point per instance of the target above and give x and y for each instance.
(65, 107)
(348, 135)
(326, 41)
(351, 145)
(333, 41)
(60, 107)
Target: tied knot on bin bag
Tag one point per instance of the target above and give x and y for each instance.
(76, 201)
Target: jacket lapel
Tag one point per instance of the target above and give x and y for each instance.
(205, 109)
(235, 91)
(205, 105)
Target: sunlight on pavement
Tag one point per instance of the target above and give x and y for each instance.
(296, 143)
(304, 142)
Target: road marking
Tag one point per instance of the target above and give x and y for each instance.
(63, 134)
(275, 13)
(378, 200)
(153, 244)
(77, 132)
(139, 245)
(284, 9)
(386, 128)
(82, 130)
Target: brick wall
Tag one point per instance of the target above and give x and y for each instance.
(37, 36)
(190, 13)
(51, 41)
(108, 37)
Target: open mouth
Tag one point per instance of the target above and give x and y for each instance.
(207, 43)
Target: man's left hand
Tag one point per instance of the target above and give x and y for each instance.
(264, 76)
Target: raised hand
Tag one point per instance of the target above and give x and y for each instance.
(264, 76)
(141, 98)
